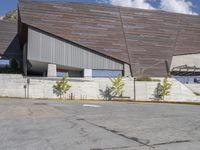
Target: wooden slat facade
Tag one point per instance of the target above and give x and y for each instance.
(98, 28)
(145, 39)
(8, 32)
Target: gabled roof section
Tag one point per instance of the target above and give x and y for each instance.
(95, 27)
(8, 38)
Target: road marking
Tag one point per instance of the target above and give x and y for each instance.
(89, 105)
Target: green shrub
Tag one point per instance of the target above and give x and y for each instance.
(165, 88)
(61, 87)
(144, 78)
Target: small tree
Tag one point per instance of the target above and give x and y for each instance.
(117, 86)
(61, 87)
(165, 88)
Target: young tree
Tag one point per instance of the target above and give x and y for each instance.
(61, 87)
(117, 86)
(165, 88)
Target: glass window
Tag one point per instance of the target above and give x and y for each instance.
(61, 74)
(188, 79)
(106, 73)
(4, 62)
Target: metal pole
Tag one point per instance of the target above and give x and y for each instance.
(25, 90)
(167, 67)
(28, 82)
(134, 89)
(28, 91)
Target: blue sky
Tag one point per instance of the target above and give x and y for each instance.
(181, 6)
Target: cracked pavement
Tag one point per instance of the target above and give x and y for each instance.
(59, 125)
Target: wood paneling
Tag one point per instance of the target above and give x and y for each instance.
(188, 40)
(142, 38)
(96, 27)
(151, 38)
(8, 31)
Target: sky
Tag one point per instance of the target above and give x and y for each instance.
(180, 6)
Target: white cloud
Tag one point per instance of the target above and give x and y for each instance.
(132, 3)
(178, 6)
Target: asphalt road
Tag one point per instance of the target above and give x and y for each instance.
(58, 125)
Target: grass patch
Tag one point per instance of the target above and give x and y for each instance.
(147, 78)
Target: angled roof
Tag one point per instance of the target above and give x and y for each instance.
(95, 27)
(142, 38)
(8, 31)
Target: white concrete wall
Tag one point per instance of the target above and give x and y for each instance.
(194, 87)
(179, 92)
(88, 88)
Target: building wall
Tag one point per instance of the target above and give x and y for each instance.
(45, 48)
(142, 38)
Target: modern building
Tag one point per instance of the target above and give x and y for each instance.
(101, 40)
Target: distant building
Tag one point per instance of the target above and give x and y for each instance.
(94, 40)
